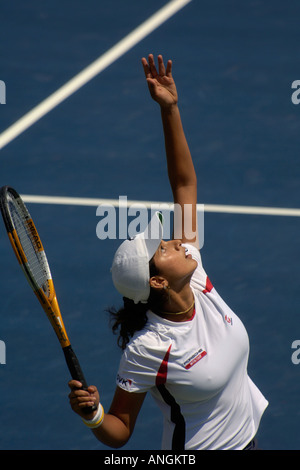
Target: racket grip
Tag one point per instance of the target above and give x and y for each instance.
(76, 373)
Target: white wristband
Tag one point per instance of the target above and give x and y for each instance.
(97, 420)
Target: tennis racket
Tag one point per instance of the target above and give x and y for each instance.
(30, 253)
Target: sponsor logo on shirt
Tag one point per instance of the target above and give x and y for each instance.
(194, 358)
(124, 382)
(228, 319)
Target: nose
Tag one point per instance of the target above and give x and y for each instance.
(177, 244)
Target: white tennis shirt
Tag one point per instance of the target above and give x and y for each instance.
(197, 372)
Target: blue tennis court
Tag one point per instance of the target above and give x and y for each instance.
(234, 63)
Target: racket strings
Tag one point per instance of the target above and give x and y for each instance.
(36, 260)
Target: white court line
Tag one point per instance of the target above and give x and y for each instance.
(75, 201)
(92, 70)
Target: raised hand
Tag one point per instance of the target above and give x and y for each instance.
(161, 84)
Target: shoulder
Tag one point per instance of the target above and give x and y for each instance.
(142, 341)
(148, 347)
(141, 360)
(149, 341)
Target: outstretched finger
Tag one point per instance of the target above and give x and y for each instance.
(152, 66)
(169, 69)
(146, 68)
(161, 66)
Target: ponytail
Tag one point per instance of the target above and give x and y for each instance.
(128, 319)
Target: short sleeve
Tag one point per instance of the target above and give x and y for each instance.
(134, 374)
(140, 362)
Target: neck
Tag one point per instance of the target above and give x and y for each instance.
(179, 307)
(182, 312)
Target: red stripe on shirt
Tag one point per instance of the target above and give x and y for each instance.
(161, 376)
(208, 286)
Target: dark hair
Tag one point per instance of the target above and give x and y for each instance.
(132, 317)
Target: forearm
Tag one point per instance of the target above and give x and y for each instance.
(118, 424)
(112, 432)
(182, 176)
(181, 170)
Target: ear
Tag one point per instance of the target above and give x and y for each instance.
(158, 282)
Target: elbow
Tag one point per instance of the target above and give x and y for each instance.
(112, 442)
(188, 182)
(119, 445)
(114, 434)
(115, 444)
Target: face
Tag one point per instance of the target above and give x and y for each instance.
(173, 263)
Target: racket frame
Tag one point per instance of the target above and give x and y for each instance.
(49, 302)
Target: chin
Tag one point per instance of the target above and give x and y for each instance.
(195, 264)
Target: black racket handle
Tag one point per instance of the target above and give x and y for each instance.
(76, 373)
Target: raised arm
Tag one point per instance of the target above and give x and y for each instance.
(181, 170)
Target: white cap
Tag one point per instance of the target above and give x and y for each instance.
(130, 268)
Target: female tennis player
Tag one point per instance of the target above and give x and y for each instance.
(181, 342)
